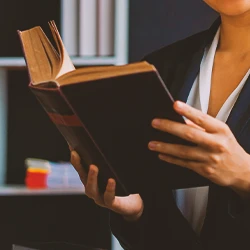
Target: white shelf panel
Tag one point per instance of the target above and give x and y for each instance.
(13, 62)
(89, 61)
(6, 62)
(10, 190)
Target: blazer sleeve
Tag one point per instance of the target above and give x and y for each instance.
(161, 226)
(131, 235)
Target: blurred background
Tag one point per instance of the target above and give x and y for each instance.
(138, 27)
(28, 131)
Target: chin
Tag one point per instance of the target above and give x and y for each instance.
(230, 7)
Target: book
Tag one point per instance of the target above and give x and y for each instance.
(70, 25)
(88, 27)
(106, 18)
(103, 112)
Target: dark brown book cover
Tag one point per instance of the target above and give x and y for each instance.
(108, 122)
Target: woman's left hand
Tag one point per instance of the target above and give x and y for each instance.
(217, 156)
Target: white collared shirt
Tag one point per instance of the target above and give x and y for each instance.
(192, 202)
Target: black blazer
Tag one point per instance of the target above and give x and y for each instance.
(162, 225)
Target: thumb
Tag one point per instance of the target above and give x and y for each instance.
(76, 162)
(109, 194)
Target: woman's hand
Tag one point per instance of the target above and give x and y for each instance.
(217, 156)
(131, 207)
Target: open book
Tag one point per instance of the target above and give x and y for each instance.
(104, 112)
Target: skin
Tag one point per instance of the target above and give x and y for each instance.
(217, 156)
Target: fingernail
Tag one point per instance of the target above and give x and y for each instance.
(156, 122)
(152, 145)
(111, 183)
(91, 171)
(179, 104)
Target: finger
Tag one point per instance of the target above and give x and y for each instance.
(109, 195)
(184, 131)
(192, 165)
(183, 152)
(205, 121)
(76, 162)
(91, 188)
(191, 124)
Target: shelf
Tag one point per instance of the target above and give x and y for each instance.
(10, 190)
(16, 62)
(91, 61)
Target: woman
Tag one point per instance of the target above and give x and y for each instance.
(210, 72)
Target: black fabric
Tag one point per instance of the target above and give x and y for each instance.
(162, 225)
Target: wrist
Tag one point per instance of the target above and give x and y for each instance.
(134, 217)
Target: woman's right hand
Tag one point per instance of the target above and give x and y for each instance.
(130, 207)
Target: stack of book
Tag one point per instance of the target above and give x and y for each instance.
(88, 27)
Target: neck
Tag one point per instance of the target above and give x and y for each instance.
(235, 33)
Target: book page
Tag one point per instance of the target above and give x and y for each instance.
(66, 63)
(96, 73)
(42, 59)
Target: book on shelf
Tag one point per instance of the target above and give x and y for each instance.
(57, 174)
(103, 112)
(106, 28)
(70, 25)
(88, 28)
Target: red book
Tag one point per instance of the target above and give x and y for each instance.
(104, 113)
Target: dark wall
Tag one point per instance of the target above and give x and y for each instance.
(154, 24)
(24, 14)
(30, 133)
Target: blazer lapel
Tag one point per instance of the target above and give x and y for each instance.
(192, 69)
(188, 70)
(240, 114)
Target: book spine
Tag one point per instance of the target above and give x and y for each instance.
(69, 23)
(74, 133)
(106, 27)
(88, 28)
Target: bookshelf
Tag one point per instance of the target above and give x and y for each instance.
(119, 57)
(46, 217)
